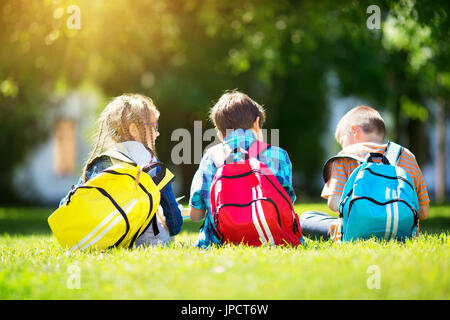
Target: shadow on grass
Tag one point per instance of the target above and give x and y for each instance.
(435, 225)
(190, 226)
(26, 221)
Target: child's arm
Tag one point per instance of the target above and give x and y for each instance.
(171, 210)
(196, 214)
(332, 191)
(66, 197)
(424, 210)
(200, 186)
(333, 202)
(409, 163)
(278, 160)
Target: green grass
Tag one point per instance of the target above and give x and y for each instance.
(34, 266)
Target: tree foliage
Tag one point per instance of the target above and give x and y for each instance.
(185, 54)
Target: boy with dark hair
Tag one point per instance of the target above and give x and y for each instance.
(238, 120)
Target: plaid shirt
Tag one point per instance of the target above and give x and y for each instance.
(274, 157)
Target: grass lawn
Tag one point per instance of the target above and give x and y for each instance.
(34, 266)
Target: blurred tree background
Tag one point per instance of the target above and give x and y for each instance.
(185, 53)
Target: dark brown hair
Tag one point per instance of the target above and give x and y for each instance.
(236, 110)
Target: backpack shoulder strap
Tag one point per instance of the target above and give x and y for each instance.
(393, 152)
(326, 167)
(115, 155)
(219, 153)
(257, 148)
(111, 155)
(163, 177)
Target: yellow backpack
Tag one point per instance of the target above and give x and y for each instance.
(110, 210)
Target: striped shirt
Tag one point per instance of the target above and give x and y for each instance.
(341, 169)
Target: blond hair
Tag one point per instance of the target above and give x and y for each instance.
(116, 118)
(365, 117)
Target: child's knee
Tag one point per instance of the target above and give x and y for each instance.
(310, 215)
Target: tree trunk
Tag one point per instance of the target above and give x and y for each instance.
(418, 141)
(440, 159)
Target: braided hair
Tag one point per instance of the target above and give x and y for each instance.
(115, 120)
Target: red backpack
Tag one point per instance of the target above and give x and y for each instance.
(249, 205)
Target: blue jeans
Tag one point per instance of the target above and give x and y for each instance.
(316, 225)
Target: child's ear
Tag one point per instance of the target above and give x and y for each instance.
(257, 130)
(133, 130)
(256, 125)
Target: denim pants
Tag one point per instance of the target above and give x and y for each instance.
(316, 225)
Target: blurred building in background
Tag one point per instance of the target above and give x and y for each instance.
(53, 167)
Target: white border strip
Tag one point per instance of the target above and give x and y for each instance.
(255, 219)
(395, 205)
(263, 218)
(111, 225)
(100, 226)
(388, 215)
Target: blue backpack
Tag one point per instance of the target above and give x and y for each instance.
(379, 199)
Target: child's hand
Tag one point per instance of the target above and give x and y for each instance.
(335, 230)
(184, 211)
(161, 218)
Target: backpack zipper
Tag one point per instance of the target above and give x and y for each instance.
(241, 205)
(389, 177)
(414, 211)
(294, 221)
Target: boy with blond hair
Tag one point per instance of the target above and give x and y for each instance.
(360, 133)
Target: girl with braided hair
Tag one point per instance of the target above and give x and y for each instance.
(128, 128)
